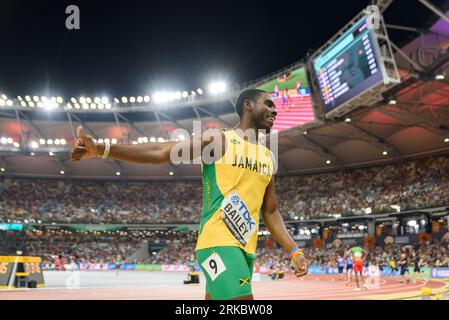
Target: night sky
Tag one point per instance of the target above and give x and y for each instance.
(137, 47)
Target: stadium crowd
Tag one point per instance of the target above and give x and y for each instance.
(429, 254)
(409, 185)
(181, 251)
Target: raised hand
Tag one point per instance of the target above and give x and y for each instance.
(84, 146)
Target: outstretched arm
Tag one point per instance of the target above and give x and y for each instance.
(150, 153)
(275, 224)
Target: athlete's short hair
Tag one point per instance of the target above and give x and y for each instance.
(249, 94)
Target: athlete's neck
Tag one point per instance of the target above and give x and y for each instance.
(247, 131)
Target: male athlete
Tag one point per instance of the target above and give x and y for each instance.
(238, 186)
(358, 255)
(341, 266)
(349, 268)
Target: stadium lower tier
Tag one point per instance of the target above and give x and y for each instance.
(405, 186)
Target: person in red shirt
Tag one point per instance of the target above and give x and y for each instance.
(62, 263)
(57, 261)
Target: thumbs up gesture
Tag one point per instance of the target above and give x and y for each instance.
(84, 146)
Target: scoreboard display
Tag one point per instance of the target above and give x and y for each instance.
(14, 267)
(348, 67)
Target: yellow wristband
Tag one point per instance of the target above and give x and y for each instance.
(296, 253)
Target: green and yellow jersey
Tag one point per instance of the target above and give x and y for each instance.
(233, 192)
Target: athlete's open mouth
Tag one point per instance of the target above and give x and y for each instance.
(272, 118)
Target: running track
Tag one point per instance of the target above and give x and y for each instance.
(312, 287)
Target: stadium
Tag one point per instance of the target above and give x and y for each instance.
(361, 145)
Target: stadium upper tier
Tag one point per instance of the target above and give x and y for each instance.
(409, 185)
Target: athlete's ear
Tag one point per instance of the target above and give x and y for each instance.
(248, 105)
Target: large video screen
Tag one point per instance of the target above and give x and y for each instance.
(291, 94)
(348, 67)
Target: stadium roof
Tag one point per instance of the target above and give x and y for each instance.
(411, 122)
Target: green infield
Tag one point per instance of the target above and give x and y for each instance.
(290, 83)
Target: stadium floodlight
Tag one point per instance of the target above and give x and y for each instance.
(85, 106)
(9, 103)
(43, 99)
(57, 142)
(4, 97)
(392, 102)
(20, 98)
(134, 142)
(328, 162)
(35, 98)
(59, 100)
(185, 94)
(51, 154)
(217, 87)
(160, 139)
(93, 106)
(108, 106)
(40, 104)
(440, 77)
(32, 154)
(50, 141)
(100, 140)
(9, 140)
(63, 142)
(145, 140)
(28, 98)
(88, 100)
(348, 120)
(100, 106)
(178, 95)
(152, 139)
(77, 106)
(159, 97)
(146, 99)
(170, 173)
(140, 140)
(82, 100)
(132, 99)
(34, 145)
(114, 141)
(62, 172)
(116, 100)
(124, 99)
(117, 173)
(193, 93)
(106, 140)
(16, 144)
(31, 104)
(23, 103)
(3, 140)
(97, 100)
(139, 99)
(73, 100)
(411, 223)
(385, 153)
(2, 169)
(69, 106)
(104, 100)
(200, 91)
(2, 103)
(446, 140)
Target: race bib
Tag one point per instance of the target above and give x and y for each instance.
(236, 216)
(214, 266)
